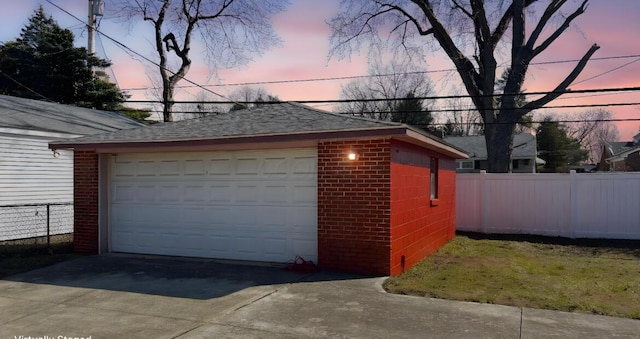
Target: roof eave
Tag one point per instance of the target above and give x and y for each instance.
(401, 132)
(439, 146)
(136, 146)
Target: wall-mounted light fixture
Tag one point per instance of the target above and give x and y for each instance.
(352, 156)
(56, 154)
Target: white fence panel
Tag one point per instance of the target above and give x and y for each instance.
(590, 205)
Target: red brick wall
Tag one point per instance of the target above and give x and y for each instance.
(85, 200)
(418, 225)
(354, 206)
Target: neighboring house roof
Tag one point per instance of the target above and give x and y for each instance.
(35, 115)
(268, 123)
(618, 147)
(524, 146)
(620, 150)
(620, 156)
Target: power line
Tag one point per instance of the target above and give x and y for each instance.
(434, 97)
(121, 45)
(443, 110)
(25, 86)
(285, 81)
(607, 72)
(536, 122)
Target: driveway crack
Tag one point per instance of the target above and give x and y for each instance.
(521, 316)
(254, 300)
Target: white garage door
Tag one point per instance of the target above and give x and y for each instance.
(247, 205)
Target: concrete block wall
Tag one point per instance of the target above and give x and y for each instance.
(419, 225)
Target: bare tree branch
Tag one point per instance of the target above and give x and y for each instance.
(232, 31)
(504, 23)
(562, 87)
(557, 32)
(463, 64)
(474, 58)
(410, 18)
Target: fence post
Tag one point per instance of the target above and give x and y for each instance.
(483, 201)
(573, 197)
(49, 227)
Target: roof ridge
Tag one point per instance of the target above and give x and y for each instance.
(344, 116)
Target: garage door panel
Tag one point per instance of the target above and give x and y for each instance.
(124, 169)
(276, 167)
(304, 165)
(145, 193)
(275, 216)
(122, 193)
(303, 193)
(303, 217)
(220, 167)
(247, 166)
(220, 193)
(247, 192)
(277, 193)
(236, 205)
(168, 193)
(194, 167)
(195, 193)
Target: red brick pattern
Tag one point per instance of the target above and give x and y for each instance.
(418, 225)
(85, 196)
(354, 206)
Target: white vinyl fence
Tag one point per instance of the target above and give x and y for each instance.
(585, 205)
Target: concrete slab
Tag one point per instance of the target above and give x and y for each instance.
(342, 309)
(200, 279)
(161, 306)
(75, 321)
(40, 292)
(13, 309)
(553, 324)
(133, 296)
(221, 331)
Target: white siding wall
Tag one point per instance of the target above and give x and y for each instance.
(29, 174)
(590, 205)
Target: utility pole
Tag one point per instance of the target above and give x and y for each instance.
(96, 8)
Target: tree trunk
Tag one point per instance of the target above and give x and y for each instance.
(499, 139)
(167, 101)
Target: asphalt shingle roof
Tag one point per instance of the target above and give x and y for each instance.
(266, 120)
(618, 147)
(28, 114)
(524, 145)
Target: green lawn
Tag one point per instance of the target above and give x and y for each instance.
(577, 278)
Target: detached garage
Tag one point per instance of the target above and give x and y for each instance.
(267, 184)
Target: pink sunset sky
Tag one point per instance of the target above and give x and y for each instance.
(614, 25)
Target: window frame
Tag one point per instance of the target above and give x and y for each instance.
(434, 170)
(461, 165)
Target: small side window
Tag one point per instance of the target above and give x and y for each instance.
(434, 178)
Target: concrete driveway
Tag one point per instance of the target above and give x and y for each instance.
(150, 297)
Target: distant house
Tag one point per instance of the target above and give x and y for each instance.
(29, 172)
(524, 153)
(621, 156)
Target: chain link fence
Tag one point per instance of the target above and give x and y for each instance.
(35, 224)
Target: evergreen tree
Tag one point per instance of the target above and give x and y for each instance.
(558, 149)
(42, 63)
(411, 111)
